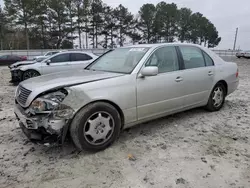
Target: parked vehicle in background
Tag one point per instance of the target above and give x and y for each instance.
(63, 61)
(247, 54)
(47, 54)
(240, 54)
(22, 63)
(10, 59)
(122, 88)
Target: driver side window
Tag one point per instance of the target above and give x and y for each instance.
(165, 59)
(60, 58)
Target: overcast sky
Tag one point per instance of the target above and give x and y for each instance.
(226, 15)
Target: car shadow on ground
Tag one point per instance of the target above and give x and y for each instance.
(149, 129)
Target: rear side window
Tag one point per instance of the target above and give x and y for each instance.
(80, 57)
(208, 59)
(192, 57)
(60, 58)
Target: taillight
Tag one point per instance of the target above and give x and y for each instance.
(237, 73)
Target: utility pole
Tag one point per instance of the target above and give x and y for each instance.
(235, 40)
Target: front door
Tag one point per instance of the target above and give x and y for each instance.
(160, 94)
(58, 63)
(198, 76)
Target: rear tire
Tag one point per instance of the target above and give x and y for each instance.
(216, 98)
(95, 127)
(30, 74)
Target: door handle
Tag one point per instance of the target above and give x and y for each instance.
(179, 79)
(210, 73)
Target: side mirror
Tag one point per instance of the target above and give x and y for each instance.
(150, 71)
(48, 62)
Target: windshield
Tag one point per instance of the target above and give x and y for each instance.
(121, 60)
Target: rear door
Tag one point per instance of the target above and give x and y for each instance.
(58, 63)
(198, 76)
(80, 60)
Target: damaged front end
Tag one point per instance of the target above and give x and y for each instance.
(16, 75)
(47, 119)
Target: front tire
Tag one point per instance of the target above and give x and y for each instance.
(95, 127)
(30, 74)
(216, 98)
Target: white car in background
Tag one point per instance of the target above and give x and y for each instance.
(240, 54)
(47, 54)
(247, 54)
(64, 61)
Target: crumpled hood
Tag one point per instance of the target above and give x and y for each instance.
(20, 63)
(48, 82)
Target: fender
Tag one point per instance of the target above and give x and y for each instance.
(35, 66)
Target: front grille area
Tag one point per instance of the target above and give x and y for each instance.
(22, 95)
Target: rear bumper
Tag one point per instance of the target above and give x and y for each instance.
(232, 86)
(41, 128)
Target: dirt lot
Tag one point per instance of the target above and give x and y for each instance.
(190, 149)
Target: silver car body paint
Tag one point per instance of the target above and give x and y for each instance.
(140, 99)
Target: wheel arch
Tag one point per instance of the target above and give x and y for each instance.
(224, 84)
(29, 69)
(109, 102)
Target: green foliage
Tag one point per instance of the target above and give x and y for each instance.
(28, 24)
(184, 26)
(124, 20)
(147, 21)
(3, 27)
(166, 23)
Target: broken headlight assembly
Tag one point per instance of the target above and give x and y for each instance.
(51, 102)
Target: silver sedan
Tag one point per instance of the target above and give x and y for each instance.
(120, 89)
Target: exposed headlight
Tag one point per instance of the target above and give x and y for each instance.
(49, 102)
(41, 105)
(57, 96)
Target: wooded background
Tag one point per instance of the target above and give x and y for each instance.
(58, 24)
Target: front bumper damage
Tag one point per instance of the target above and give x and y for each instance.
(42, 128)
(16, 75)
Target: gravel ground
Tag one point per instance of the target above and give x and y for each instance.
(186, 150)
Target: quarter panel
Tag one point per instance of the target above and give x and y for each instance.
(227, 72)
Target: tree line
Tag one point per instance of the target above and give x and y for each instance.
(47, 24)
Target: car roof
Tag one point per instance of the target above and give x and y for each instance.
(160, 44)
(72, 52)
(82, 52)
(218, 60)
